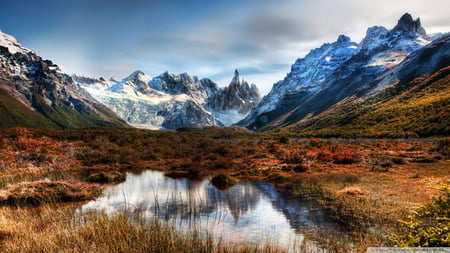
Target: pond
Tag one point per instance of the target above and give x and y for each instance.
(245, 213)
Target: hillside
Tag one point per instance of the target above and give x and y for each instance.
(393, 82)
(420, 107)
(36, 93)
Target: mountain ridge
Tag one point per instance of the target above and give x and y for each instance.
(371, 66)
(44, 92)
(171, 101)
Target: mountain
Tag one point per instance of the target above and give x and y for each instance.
(36, 93)
(234, 102)
(416, 101)
(171, 101)
(345, 71)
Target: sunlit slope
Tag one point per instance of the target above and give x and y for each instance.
(417, 107)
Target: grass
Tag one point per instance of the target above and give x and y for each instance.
(61, 229)
(40, 192)
(365, 185)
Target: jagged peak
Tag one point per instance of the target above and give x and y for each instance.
(343, 39)
(407, 24)
(236, 77)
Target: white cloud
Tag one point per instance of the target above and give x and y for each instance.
(212, 38)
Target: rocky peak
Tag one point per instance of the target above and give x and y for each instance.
(343, 39)
(235, 77)
(407, 36)
(238, 95)
(140, 80)
(12, 44)
(374, 36)
(407, 24)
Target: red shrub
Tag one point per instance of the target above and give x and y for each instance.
(325, 156)
(345, 158)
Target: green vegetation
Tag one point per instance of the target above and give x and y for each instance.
(429, 226)
(13, 113)
(418, 108)
(66, 117)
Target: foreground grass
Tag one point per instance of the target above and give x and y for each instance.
(61, 229)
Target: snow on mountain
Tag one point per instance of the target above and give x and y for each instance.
(47, 91)
(338, 70)
(170, 101)
(12, 44)
(308, 74)
(233, 103)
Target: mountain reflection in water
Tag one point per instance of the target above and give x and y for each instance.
(245, 213)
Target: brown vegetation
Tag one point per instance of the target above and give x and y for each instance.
(366, 185)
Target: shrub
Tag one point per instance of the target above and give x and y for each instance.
(386, 164)
(301, 168)
(399, 160)
(428, 227)
(325, 156)
(284, 139)
(443, 146)
(425, 159)
(294, 157)
(345, 158)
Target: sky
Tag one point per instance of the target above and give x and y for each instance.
(206, 38)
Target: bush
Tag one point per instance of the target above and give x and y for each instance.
(294, 157)
(345, 158)
(429, 226)
(325, 156)
(444, 146)
(399, 160)
(301, 168)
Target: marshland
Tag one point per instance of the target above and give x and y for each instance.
(219, 190)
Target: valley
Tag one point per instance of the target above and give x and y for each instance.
(350, 150)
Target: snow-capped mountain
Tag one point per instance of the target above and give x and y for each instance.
(338, 70)
(234, 102)
(170, 101)
(42, 94)
(414, 101)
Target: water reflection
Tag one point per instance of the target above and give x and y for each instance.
(252, 212)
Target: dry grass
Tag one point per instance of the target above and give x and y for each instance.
(366, 185)
(39, 192)
(353, 190)
(61, 229)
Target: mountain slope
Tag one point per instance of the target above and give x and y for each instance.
(36, 93)
(336, 71)
(14, 113)
(171, 101)
(416, 101)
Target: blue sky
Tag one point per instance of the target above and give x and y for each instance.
(207, 38)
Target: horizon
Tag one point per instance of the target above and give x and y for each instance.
(205, 39)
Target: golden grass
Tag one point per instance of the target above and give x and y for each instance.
(366, 198)
(39, 192)
(61, 229)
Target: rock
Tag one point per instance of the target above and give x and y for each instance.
(223, 182)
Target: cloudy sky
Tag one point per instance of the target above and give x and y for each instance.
(207, 38)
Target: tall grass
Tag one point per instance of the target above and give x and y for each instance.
(59, 229)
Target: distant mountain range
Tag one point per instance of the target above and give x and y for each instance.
(394, 82)
(171, 101)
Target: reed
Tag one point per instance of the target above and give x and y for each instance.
(53, 228)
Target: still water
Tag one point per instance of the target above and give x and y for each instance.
(244, 213)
